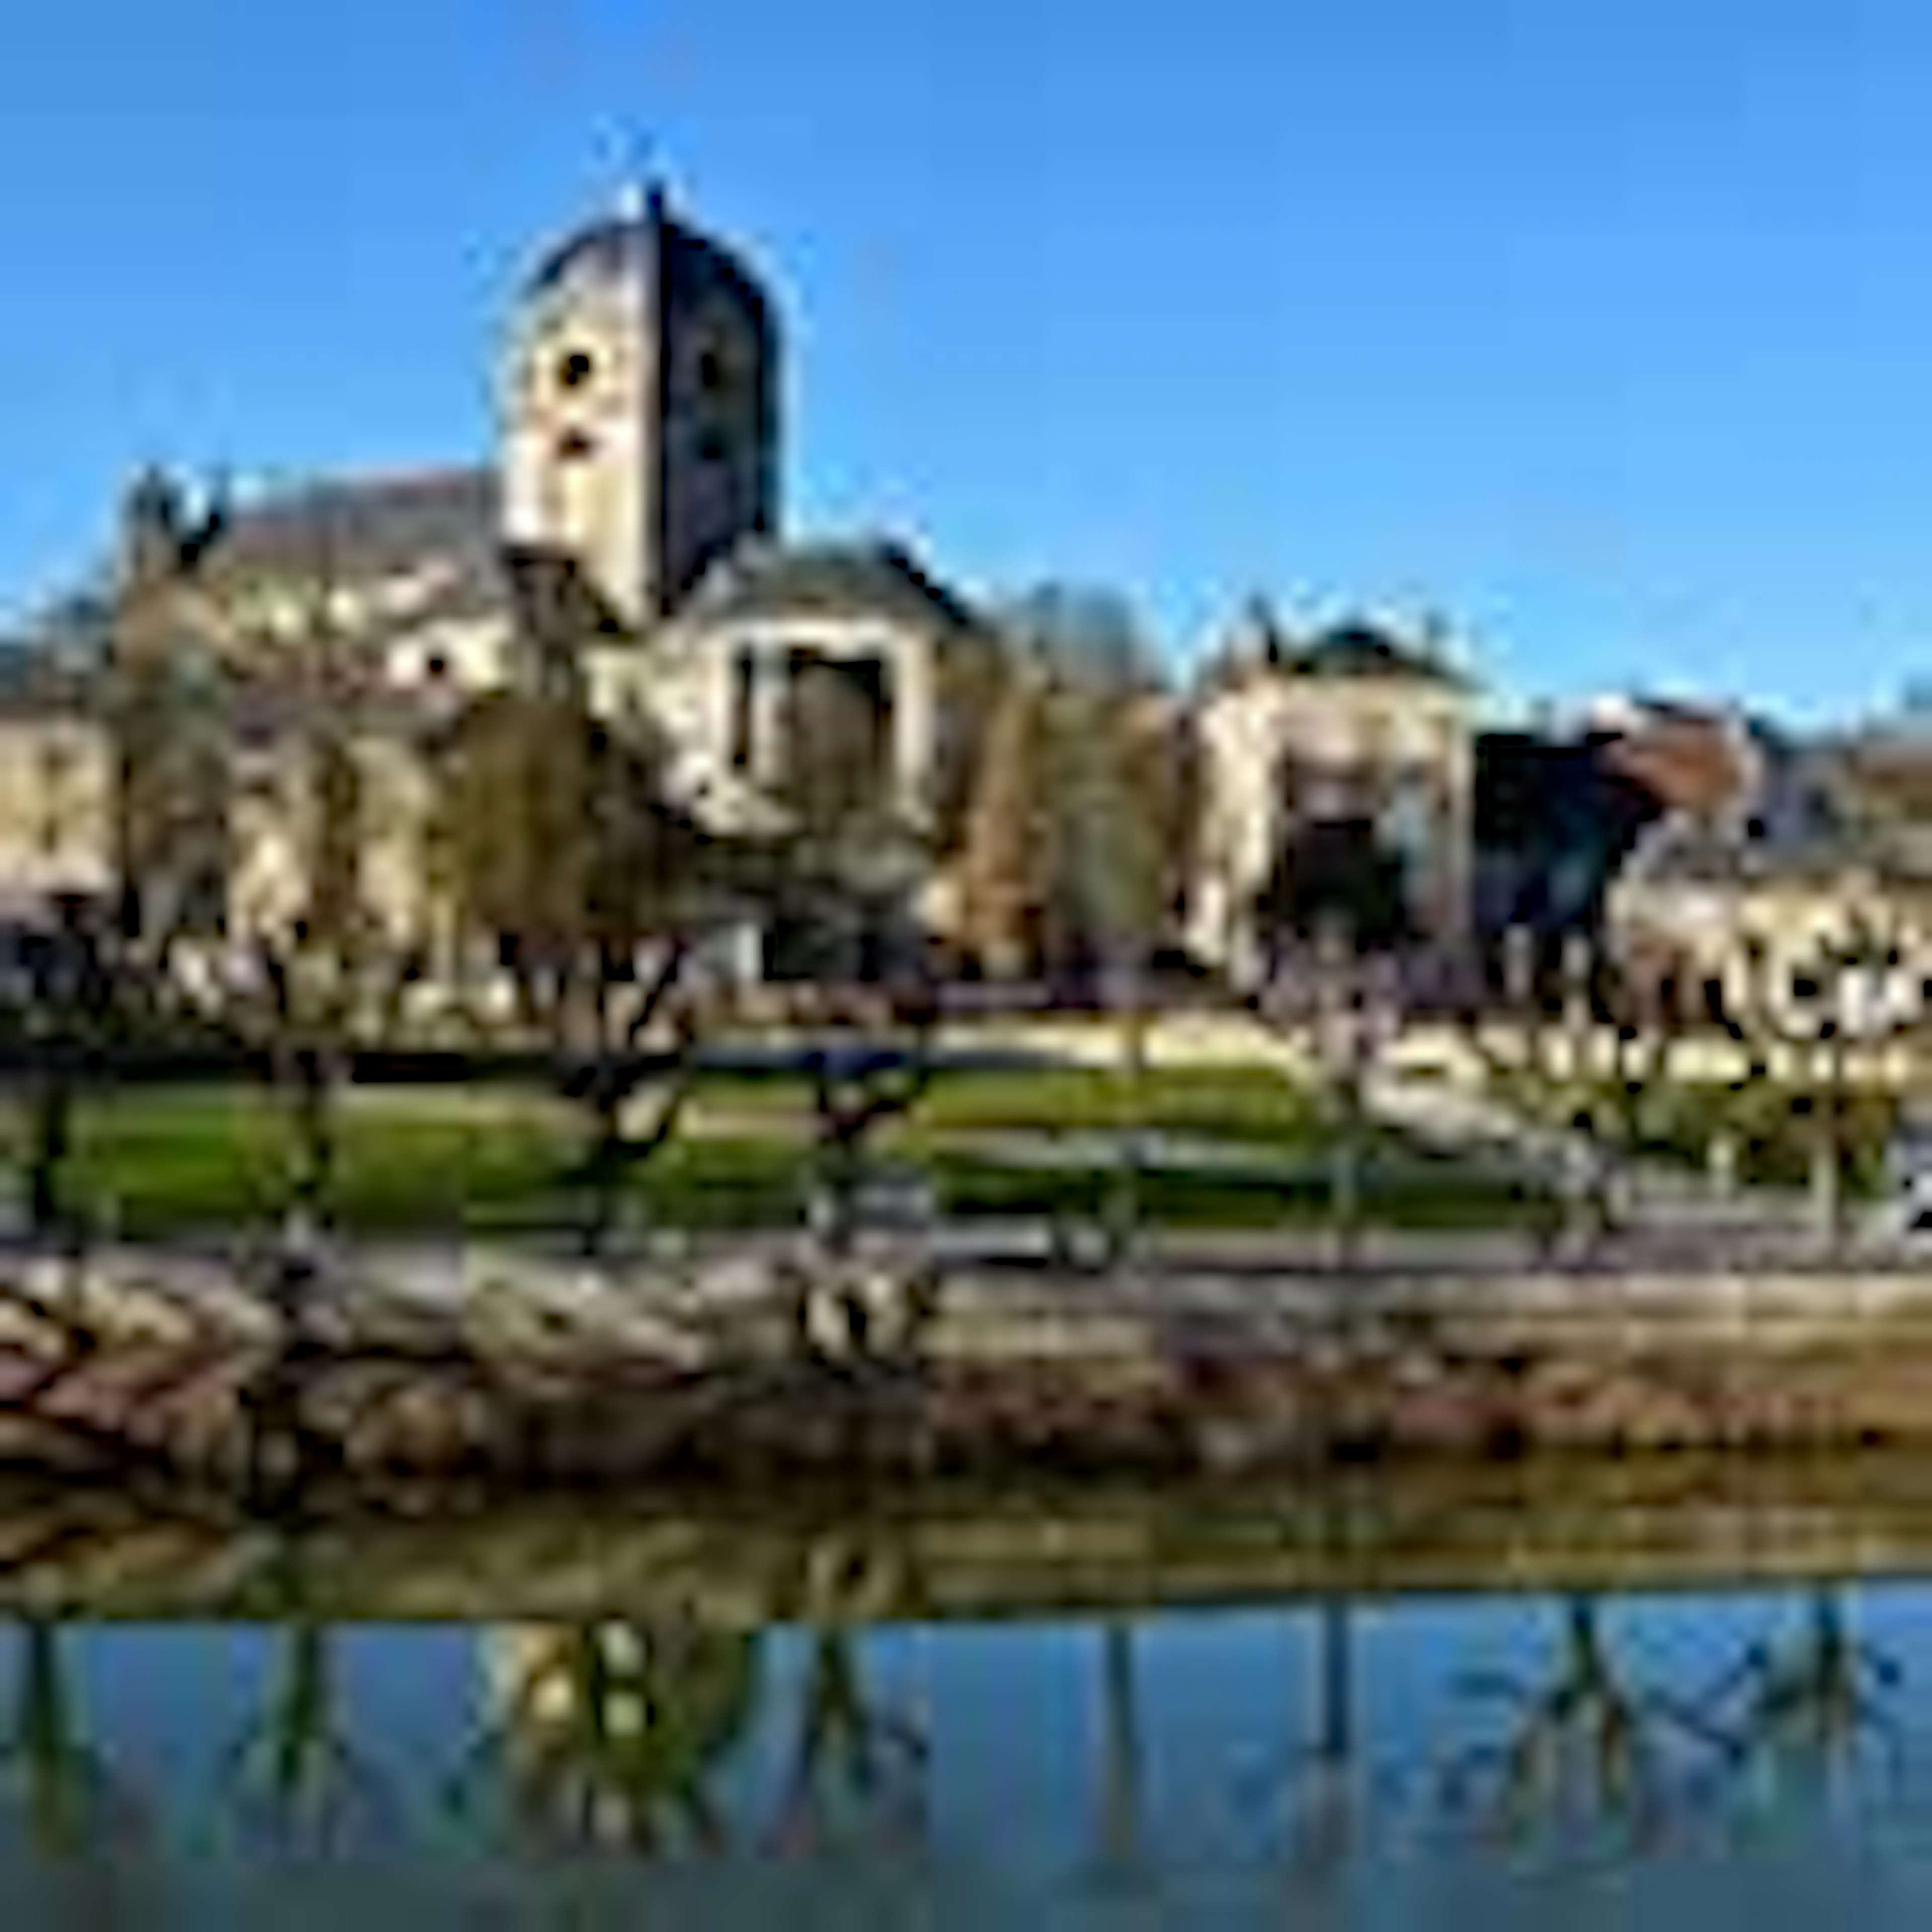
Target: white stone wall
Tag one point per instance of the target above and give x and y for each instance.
(1757, 937)
(599, 506)
(57, 782)
(685, 683)
(1340, 736)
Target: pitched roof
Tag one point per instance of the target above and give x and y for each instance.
(358, 528)
(1885, 777)
(875, 579)
(1690, 762)
(35, 685)
(1357, 649)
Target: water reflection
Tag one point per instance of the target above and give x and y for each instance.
(1584, 1740)
(611, 1734)
(1399, 1747)
(295, 1773)
(60, 1787)
(1811, 1706)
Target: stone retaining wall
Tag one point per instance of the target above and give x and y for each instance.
(520, 1369)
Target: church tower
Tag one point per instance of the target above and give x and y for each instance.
(641, 410)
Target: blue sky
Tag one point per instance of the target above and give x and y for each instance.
(1602, 326)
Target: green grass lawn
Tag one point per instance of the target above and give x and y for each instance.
(1772, 1124)
(155, 1161)
(1251, 1104)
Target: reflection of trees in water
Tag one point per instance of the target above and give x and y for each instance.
(70, 1797)
(611, 1734)
(1807, 1706)
(858, 1764)
(294, 1769)
(1123, 1822)
(1325, 1823)
(1582, 1744)
(1314, 1784)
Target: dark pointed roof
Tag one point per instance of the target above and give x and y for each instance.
(1356, 648)
(648, 245)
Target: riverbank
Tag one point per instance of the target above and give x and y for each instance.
(522, 1368)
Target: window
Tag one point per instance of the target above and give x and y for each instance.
(436, 666)
(575, 370)
(1804, 987)
(574, 446)
(713, 372)
(712, 449)
(742, 674)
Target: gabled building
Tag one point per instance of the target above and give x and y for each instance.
(1760, 867)
(1354, 735)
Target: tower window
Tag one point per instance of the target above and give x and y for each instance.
(575, 370)
(711, 447)
(711, 369)
(574, 445)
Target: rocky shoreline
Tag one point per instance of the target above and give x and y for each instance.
(537, 1374)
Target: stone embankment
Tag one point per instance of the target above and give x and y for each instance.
(518, 1368)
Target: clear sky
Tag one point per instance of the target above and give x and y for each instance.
(1603, 326)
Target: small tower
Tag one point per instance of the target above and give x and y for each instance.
(153, 526)
(640, 412)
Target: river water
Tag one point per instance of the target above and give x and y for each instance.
(1649, 1704)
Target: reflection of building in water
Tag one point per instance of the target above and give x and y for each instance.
(612, 1733)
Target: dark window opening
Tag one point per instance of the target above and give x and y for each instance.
(712, 447)
(742, 673)
(575, 371)
(436, 665)
(711, 370)
(837, 733)
(1804, 987)
(574, 445)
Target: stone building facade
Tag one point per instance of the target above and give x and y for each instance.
(630, 524)
(1775, 866)
(641, 409)
(1354, 726)
(57, 792)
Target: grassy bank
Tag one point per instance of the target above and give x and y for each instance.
(153, 1162)
(1773, 1127)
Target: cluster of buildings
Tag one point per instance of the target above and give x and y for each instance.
(633, 519)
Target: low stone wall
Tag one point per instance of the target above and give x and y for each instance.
(519, 1369)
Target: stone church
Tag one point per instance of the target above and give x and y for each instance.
(632, 518)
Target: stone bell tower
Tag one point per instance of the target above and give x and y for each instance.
(640, 407)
